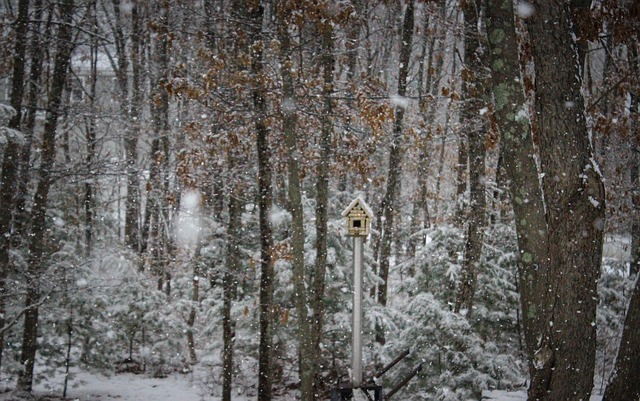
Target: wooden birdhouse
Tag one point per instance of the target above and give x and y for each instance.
(359, 216)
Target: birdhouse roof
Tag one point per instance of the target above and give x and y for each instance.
(358, 202)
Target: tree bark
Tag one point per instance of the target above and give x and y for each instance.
(88, 201)
(10, 162)
(395, 154)
(322, 200)
(473, 88)
(130, 105)
(305, 349)
(39, 224)
(265, 200)
(420, 210)
(559, 218)
(574, 198)
(634, 169)
(38, 44)
(230, 284)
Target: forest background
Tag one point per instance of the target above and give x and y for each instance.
(173, 177)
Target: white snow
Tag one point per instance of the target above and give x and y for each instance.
(189, 225)
(279, 216)
(127, 387)
(191, 200)
(177, 387)
(522, 115)
(6, 111)
(525, 9)
(363, 204)
(520, 395)
(399, 101)
(288, 106)
(11, 135)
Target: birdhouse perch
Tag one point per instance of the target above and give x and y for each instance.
(359, 216)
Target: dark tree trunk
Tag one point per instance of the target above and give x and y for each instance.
(265, 200)
(560, 225)
(395, 155)
(10, 162)
(230, 284)
(322, 201)
(193, 311)
(39, 42)
(89, 190)
(289, 121)
(39, 224)
(462, 172)
(475, 126)
(130, 105)
(565, 300)
(420, 211)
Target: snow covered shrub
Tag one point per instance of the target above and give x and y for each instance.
(614, 289)
(438, 262)
(461, 354)
(496, 314)
(457, 363)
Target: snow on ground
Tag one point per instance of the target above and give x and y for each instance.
(133, 387)
(176, 387)
(521, 395)
(124, 387)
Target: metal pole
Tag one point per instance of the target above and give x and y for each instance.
(356, 372)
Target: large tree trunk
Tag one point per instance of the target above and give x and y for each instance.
(265, 196)
(564, 303)
(10, 162)
(560, 226)
(475, 127)
(39, 224)
(395, 154)
(518, 153)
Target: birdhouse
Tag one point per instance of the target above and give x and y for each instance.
(359, 216)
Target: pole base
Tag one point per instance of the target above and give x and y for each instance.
(364, 393)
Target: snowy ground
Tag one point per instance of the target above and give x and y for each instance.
(516, 396)
(124, 387)
(177, 387)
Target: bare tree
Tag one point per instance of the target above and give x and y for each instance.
(473, 87)
(64, 48)
(10, 162)
(395, 153)
(255, 13)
